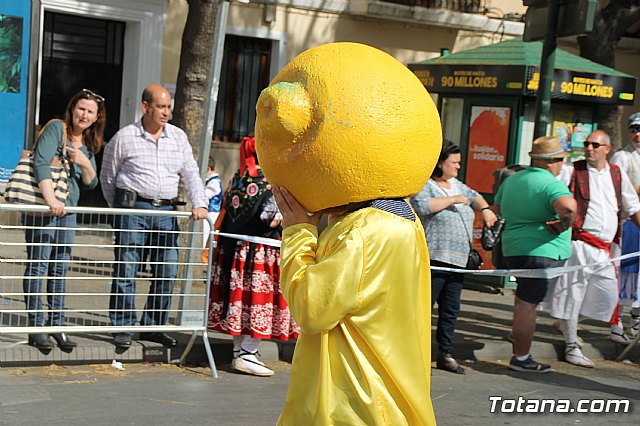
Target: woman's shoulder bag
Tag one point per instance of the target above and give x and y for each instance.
(23, 188)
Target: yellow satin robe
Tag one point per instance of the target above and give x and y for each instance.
(361, 295)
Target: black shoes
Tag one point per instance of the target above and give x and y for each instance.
(162, 338)
(40, 341)
(529, 365)
(63, 341)
(122, 340)
(446, 361)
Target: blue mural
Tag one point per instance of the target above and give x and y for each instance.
(15, 23)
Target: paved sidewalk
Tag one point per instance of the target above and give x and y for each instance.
(160, 394)
(485, 321)
(483, 325)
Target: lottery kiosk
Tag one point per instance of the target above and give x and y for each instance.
(486, 98)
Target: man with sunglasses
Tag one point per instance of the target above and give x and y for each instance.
(628, 159)
(603, 194)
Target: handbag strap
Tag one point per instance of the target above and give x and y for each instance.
(63, 151)
(460, 213)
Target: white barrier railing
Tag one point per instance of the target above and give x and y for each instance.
(90, 266)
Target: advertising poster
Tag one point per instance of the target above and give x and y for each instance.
(571, 127)
(488, 139)
(14, 60)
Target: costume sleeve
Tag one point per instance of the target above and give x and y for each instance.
(47, 146)
(321, 293)
(110, 161)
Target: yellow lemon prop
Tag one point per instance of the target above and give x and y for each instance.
(345, 123)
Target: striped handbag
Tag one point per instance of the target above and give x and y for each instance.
(23, 188)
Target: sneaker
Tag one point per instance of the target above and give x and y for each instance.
(619, 337)
(573, 355)
(528, 365)
(561, 326)
(634, 327)
(247, 362)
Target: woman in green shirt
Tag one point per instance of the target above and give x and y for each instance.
(49, 238)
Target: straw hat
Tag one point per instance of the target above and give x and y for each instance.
(547, 147)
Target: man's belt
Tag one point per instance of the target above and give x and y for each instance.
(159, 202)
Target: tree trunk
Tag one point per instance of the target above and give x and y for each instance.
(192, 90)
(610, 24)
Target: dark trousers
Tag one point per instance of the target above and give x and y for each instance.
(130, 254)
(50, 239)
(446, 288)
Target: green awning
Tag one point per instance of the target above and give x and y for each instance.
(512, 67)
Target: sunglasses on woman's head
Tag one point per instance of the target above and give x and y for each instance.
(93, 94)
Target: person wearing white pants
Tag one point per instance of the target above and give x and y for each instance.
(603, 193)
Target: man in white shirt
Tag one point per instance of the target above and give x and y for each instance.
(142, 168)
(628, 159)
(603, 192)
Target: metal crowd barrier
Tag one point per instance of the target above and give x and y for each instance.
(89, 275)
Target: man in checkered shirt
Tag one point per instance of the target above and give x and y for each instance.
(142, 167)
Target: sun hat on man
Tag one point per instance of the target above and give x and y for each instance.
(634, 119)
(547, 147)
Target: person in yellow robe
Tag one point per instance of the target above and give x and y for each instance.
(361, 294)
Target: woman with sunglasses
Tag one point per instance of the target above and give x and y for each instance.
(49, 238)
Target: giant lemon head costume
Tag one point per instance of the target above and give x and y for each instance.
(345, 123)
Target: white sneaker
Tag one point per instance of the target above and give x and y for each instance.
(573, 355)
(561, 326)
(248, 363)
(619, 337)
(634, 327)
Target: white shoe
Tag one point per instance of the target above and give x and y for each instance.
(619, 337)
(573, 355)
(634, 327)
(561, 326)
(248, 363)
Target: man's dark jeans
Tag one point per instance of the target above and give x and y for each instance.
(130, 251)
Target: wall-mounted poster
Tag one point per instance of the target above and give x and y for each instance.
(10, 53)
(15, 17)
(488, 139)
(572, 126)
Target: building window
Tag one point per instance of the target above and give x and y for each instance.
(245, 72)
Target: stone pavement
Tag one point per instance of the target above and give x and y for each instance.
(161, 394)
(484, 322)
